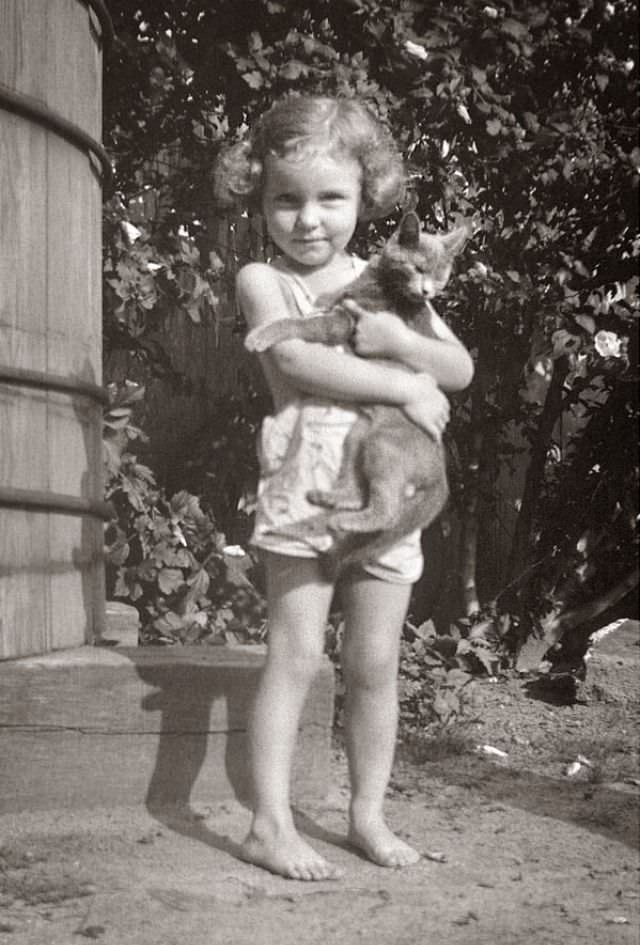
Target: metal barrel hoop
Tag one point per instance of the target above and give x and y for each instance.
(22, 377)
(40, 114)
(52, 501)
(55, 502)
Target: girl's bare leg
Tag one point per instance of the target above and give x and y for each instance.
(374, 614)
(298, 604)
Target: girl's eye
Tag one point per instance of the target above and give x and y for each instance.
(332, 197)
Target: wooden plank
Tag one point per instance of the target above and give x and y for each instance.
(24, 569)
(24, 549)
(23, 28)
(73, 347)
(142, 725)
(72, 90)
(23, 191)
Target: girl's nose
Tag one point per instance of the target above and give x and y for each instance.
(308, 216)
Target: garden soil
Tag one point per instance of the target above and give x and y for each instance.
(527, 816)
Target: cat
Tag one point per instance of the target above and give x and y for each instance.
(393, 478)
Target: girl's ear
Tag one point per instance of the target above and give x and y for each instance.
(455, 239)
(409, 230)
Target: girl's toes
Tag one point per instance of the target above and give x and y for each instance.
(382, 846)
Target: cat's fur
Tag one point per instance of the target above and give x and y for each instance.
(393, 477)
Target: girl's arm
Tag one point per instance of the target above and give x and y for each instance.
(382, 334)
(320, 370)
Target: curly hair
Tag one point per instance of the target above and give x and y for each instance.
(299, 126)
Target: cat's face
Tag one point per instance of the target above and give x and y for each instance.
(419, 264)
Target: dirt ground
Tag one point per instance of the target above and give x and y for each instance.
(518, 847)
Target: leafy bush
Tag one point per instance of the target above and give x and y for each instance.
(165, 555)
(437, 671)
(218, 461)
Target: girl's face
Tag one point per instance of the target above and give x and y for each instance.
(311, 207)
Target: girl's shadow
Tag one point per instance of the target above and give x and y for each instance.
(201, 702)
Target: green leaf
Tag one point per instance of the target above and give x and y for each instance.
(587, 322)
(118, 553)
(292, 70)
(121, 588)
(170, 580)
(426, 631)
(253, 79)
(199, 584)
(514, 28)
(169, 623)
(564, 342)
(445, 705)
(487, 657)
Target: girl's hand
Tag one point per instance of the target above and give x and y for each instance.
(428, 407)
(377, 334)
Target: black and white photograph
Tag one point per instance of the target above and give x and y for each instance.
(319, 472)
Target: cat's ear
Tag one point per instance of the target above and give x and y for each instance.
(454, 240)
(409, 230)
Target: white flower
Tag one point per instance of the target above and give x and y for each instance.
(608, 344)
(234, 551)
(491, 12)
(415, 49)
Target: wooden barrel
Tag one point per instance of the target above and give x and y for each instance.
(51, 175)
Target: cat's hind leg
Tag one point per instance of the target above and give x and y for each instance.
(388, 485)
(381, 513)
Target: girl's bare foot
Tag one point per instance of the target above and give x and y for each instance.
(283, 851)
(381, 845)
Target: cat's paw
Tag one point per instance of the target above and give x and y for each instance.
(335, 500)
(258, 339)
(319, 497)
(359, 521)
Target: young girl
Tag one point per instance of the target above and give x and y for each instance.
(315, 166)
